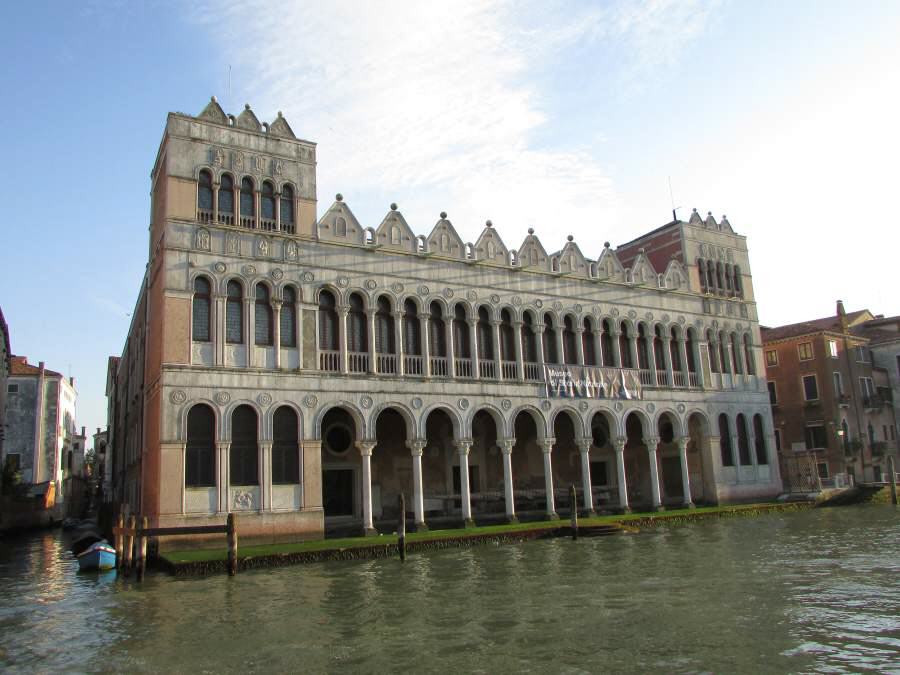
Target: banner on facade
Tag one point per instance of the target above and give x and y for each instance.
(590, 382)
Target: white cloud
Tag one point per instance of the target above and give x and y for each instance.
(433, 105)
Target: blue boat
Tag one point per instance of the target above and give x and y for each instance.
(99, 556)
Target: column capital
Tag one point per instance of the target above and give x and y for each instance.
(311, 444)
(265, 446)
(579, 329)
(619, 444)
(343, 310)
(398, 315)
(517, 323)
(615, 331)
(506, 445)
(276, 304)
(538, 328)
(223, 445)
(463, 445)
(681, 338)
(651, 442)
(365, 447)
(683, 443)
(416, 446)
(584, 444)
(471, 321)
(546, 444)
(496, 323)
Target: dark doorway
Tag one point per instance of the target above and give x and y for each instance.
(671, 477)
(338, 492)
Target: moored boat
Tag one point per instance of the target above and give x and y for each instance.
(98, 556)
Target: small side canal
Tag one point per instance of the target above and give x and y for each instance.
(815, 590)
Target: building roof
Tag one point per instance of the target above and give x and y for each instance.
(19, 367)
(830, 324)
(5, 330)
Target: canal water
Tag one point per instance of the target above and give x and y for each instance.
(795, 592)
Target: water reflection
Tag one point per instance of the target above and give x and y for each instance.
(815, 591)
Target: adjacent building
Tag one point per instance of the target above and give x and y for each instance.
(305, 369)
(5, 354)
(832, 401)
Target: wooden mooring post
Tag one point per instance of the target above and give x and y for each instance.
(401, 529)
(142, 548)
(573, 505)
(232, 546)
(119, 540)
(129, 545)
(892, 470)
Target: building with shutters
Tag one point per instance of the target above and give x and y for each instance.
(304, 369)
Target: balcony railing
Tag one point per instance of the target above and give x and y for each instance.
(439, 366)
(358, 362)
(413, 365)
(463, 367)
(873, 402)
(533, 372)
(844, 400)
(694, 380)
(647, 378)
(662, 378)
(204, 216)
(267, 224)
(679, 379)
(387, 363)
(330, 361)
(226, 218)
(510, 371)
(288, 228)
(248, 221)
(487, 369)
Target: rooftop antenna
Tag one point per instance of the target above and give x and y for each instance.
(672, 200)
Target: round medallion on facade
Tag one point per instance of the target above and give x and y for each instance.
(447, 293)
(423, 290)
(614, 312)
(177, 397)
(310, 400)
(578, 309)
(583, 406)
(681, 320)
(397, 287)
(516, 301)
(651, 407)
(249, 270)
(343, 282)
(463, 403)
(632, 314)
(619, 406)
(371, 284)
(506, 404)
(538, 303)
(471, 296)
(366, 402)
(557, 305)
(264, 399)
(223, 397)
(649, 316)
(219, 267)
(495, 299)
(666, 318)
(277, 274)
(680, 408)
(416, 403)
(308, 277)
(546, 405)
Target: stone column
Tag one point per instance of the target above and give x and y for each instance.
(215, 196)
(416, 446)
(451, 348)
(218, 328)
(506, 446)
(632, 347)
(370, 329)
(425, 333)
(667, 358)
(517, 345)
(579, 344)
(651, 444)
(256, 206)
(223, 450)
(598, 345)
(725, 353)
(365, 451)
(276, 331)
(343, 312)
(651, 356)
(498, 353)
(277, 197)
(619, 446)
(682, 353)
(463, 447)
(538, 329)
(584, 447)
(735, 446)
(560, 346)
(547, 447)
(265, 475)
(249, 325)
(473, 346)
(614, 334)
(398, 341)
(685, 474)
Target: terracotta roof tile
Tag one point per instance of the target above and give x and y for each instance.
(19, 366)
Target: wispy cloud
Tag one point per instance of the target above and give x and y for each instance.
(433, 104)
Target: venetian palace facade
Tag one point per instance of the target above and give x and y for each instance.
(304, 371)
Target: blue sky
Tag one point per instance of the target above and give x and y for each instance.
(566, 117)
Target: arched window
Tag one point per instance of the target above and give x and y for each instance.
(625, 347)
(720, 278)
(643, 351)
(658, 348)
(328, 322)
(226, 199)
(244, 452)
(412, 335)
(723, 356)
(200, 315)
(701, 271)
(205, 191)
(736, 356)
(743, 440)
(461, 344)
(729, 278)
(287, 208)
(738, 282)
(725, 440)
(713, 352)
(288, 318)
(437, 333)
(606, 353)
(587, 344)
(384, 327)
(550, 349)
(485, 338)
(357, 335)
(200, 450)
(285, 447)
(248, 211)
(748, 355)
(569, 354)
(846, 430)
(529, 339)
(507, 337)
(263, 316)
(267, 201)
(234, 313)
(711, 278)
(762, 457)
(674, 352)
(689, 350)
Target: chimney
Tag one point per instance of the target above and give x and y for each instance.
(82, 432)
(842, 316)
(40, 364)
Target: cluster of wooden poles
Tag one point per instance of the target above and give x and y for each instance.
(131, 541)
